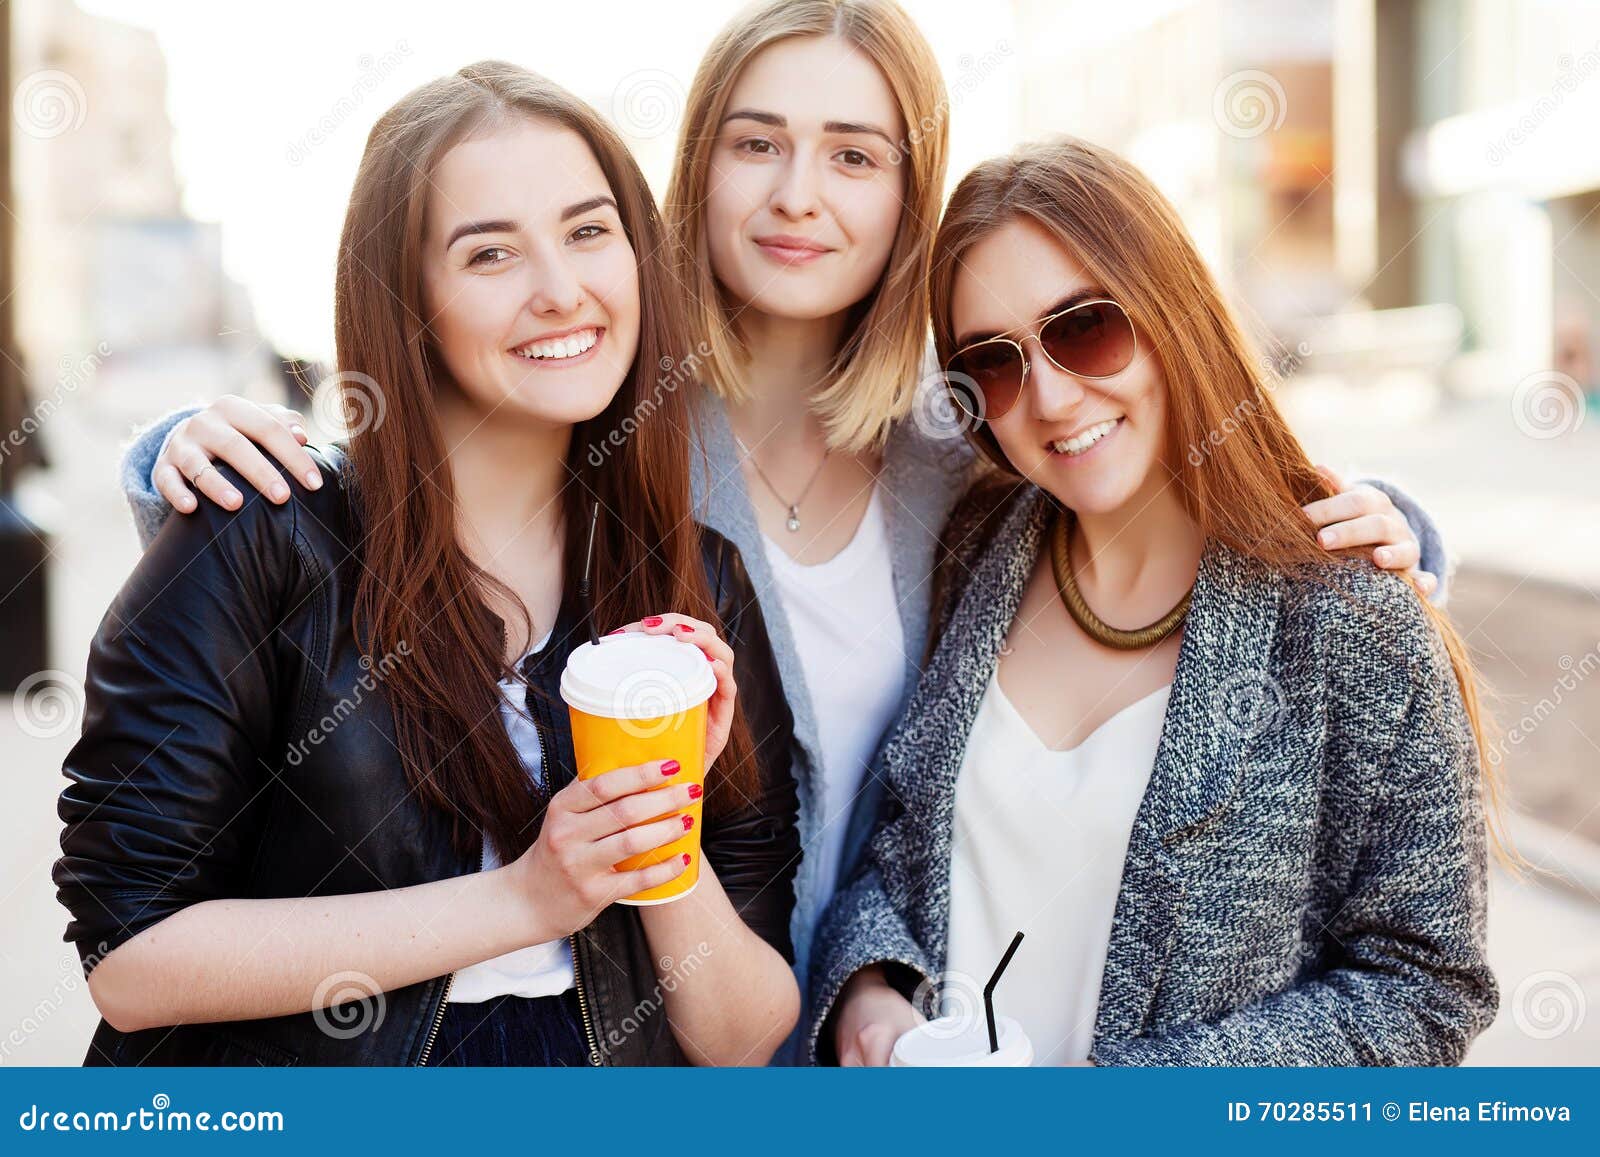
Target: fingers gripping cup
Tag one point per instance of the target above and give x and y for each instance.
(635, 698)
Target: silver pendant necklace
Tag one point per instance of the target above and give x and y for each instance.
(793, 522)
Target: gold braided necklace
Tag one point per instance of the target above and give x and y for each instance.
(1093, 625)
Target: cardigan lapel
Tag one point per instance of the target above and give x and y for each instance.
(923, 757)
(1222, 698)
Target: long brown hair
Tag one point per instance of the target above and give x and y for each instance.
(1246, 489)
(875, 371)
(417, 585)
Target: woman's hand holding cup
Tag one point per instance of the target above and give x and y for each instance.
(872, 1016)
(719, 714)
(568, 877)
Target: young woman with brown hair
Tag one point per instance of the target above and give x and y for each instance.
(1230, 787)
(324, 760)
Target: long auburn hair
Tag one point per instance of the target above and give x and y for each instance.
(1246, 489)
(875, 371)
(418, 586)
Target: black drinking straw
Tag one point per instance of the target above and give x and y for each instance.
(583, 583)
(988, 991)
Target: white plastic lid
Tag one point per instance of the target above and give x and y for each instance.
(962, 1041)
(637, 676)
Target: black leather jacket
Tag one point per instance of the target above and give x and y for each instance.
(236, 744)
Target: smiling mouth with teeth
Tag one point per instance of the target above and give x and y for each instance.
(1081, 442)
(560, 348)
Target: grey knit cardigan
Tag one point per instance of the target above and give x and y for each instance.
(1305, 879)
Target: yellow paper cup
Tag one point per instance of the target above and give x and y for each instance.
(634, 698)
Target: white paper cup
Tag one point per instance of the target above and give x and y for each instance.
(633, 698)
(962, 1042)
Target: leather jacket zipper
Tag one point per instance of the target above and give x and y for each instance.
(438, 1019)
(547, 749)
(583, 1003)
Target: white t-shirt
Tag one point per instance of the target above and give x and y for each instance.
(1040, 841)
(850, 643)
(540, 969)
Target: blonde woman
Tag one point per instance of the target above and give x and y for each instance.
(810, 172)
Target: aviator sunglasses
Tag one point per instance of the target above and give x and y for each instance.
(1093, 339)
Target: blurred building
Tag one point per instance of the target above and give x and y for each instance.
(1500, 151)
(121, 305)
(1393, 183)
(111, 270)
(1228, 106)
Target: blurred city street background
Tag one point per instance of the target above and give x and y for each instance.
(1404, 196)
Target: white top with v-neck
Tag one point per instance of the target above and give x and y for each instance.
(1040, 840)
(851, 645)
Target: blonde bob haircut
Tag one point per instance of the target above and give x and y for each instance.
(875, 371)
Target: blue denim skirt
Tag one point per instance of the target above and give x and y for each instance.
(512, 1030)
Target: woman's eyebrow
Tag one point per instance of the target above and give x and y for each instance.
(777, 121)
(764, 118)
(577, 209)
(506, 225)
(854, 127)
(468, 228)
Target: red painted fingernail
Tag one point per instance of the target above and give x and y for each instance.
(684, 629)
(618, 631)
(686, 859)
(688, 822)
(696, 791)
(652, 620)
(670, 767)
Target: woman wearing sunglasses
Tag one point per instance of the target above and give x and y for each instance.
(803, 215)
(1230, 787)
(323, 810)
